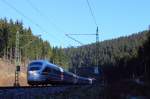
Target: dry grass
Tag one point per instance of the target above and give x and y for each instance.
(7, 74)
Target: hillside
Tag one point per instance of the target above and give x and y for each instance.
(109, 51)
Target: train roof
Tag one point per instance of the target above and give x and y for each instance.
(39, 61)
(47, 62)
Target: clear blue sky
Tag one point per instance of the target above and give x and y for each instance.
(115, 18)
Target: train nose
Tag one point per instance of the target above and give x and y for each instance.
(35, 76)
(34, 73)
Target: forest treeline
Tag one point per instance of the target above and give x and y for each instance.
(121, 58)
(109, 52)
(31, 46)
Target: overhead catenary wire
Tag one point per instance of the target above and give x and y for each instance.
(95, 22)
(57, 28)
(45, 17)
(74, 39)
(26, 17)
(92, 12)
(49, 19)
(81, 34)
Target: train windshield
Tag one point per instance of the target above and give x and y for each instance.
(35, 66)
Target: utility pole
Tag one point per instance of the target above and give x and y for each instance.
(97, 40)
(96, 54)
(18, 56)
(96, 46)
(17, 61)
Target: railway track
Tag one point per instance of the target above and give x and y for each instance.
(30, 92)
(36, 92)
(27, 87)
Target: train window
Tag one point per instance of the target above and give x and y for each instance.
(47, 69)
(34, 68)
(56, 71)
(37, 64)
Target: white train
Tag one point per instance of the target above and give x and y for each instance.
(41, 72)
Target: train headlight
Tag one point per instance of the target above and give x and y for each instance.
(90, 80)
(33, 73)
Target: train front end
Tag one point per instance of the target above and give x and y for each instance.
(34, 76)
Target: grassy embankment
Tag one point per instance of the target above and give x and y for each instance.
(7, 74)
